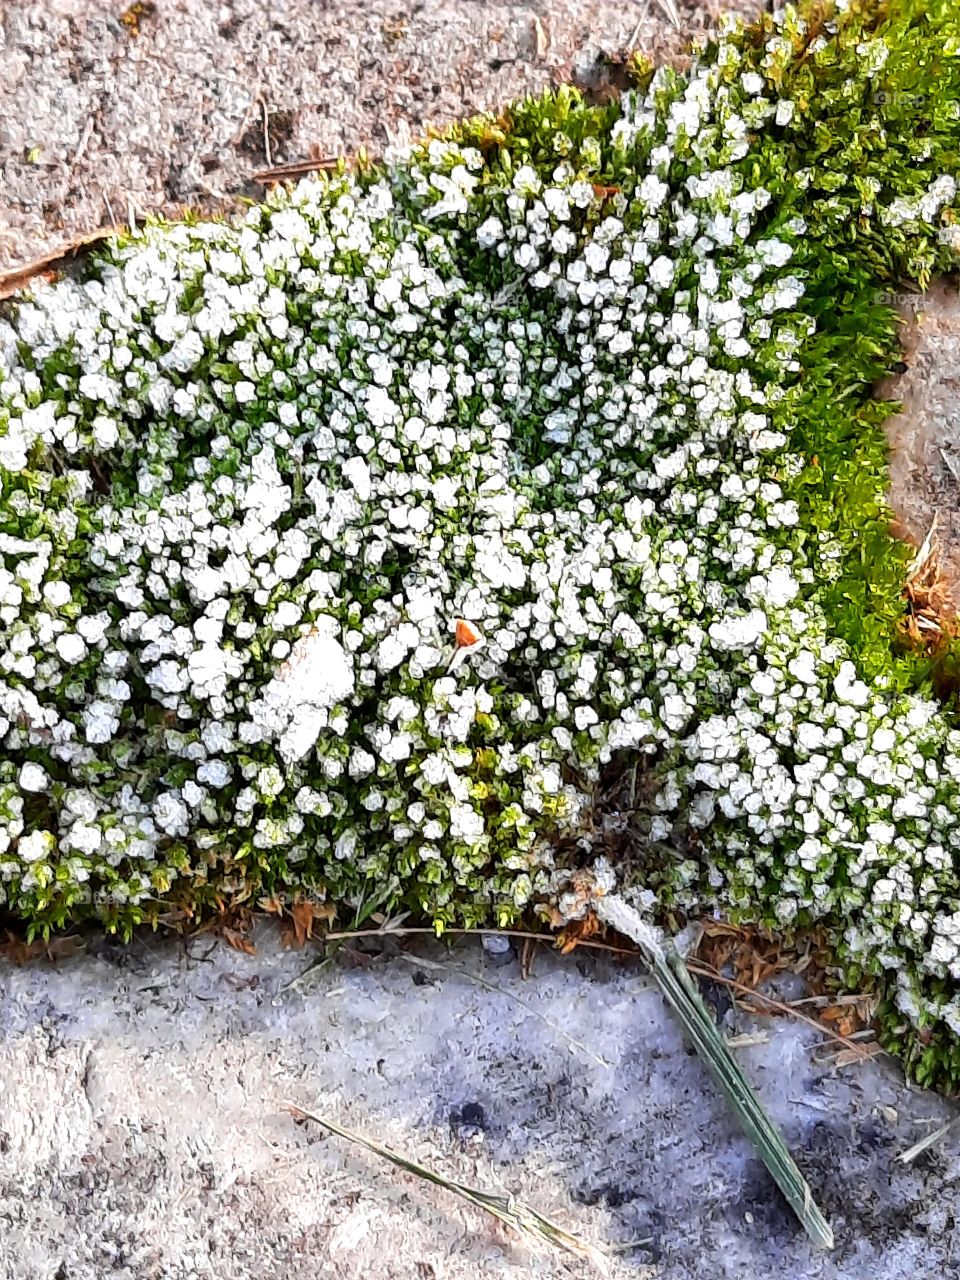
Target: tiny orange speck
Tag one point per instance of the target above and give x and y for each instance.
(467, 634)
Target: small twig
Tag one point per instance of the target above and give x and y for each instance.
(811, 1105)
(295, 169)
(251, 102)
(926, 552)
(626, 1245)
(82, 144)
(822, 1001)
(669, 8)
(631, 41)
(20, 277)
(514, 1213)
(847, 1057)
(132, 214)
(340, 935)
(296, 983)
(703, 971)
(951, 465)
(266, 133)
(748, 1039)
(527, 952)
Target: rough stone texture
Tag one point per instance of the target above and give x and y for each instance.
(925, 436)
(97, 123)
(143, 1137)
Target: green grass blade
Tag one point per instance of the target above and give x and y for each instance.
(671, 974)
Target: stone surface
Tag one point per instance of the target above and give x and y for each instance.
(143, 1134)
(103, 117)
(925, 435)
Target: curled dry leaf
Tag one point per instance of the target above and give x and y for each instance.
(577, 931)
(297, 928)
(238, 940)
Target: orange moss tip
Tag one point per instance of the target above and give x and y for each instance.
(467, 634)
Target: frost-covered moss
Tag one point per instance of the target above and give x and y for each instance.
(342, 549)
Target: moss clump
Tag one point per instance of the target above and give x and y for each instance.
(344, 548)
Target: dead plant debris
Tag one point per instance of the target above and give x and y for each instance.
(131, 19)
(534, 1226)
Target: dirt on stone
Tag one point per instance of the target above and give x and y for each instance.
(109, 110)
(924, 436)
(145, 1133)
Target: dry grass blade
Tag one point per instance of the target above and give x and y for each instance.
(918, 1148)
(668, 968)
(513, 1213)
(670, 11)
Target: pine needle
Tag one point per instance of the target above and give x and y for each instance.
(513, 1213)
(670, 972)
(918, 1148)
(670, 12)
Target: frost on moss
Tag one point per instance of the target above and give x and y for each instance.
(343, 549)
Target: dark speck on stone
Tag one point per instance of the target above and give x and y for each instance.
(468, 1122)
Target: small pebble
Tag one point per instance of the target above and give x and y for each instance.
(499, 948)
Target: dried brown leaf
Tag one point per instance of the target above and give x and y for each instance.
(16, 951)
(239, 941)
(297, 927)
(577, 931)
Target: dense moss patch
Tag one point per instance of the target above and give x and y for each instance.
(345, 550)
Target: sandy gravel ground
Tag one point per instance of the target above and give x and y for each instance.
(103, 115)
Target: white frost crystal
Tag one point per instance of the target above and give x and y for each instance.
(33, 778)
(294, 706)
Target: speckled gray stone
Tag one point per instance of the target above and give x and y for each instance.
(925, 436)
(96, 122)
(143, 1134)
